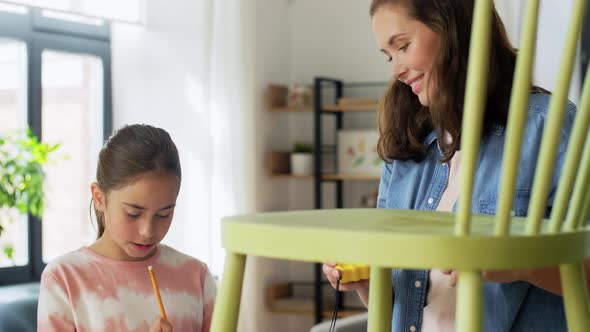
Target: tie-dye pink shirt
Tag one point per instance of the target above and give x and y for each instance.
(83, 291)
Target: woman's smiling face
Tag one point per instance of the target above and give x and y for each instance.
(410, 46)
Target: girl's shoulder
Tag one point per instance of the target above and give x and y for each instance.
(72, 260)
(67, 268)
(187, 270)
(171, 256)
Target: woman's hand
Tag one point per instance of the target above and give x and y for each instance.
(454, 276)
(161, 325)
(334, 274)
(361, 287)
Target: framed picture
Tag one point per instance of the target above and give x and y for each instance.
(357, 152)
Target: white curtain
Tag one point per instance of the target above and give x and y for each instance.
(231, 109)
(187, 71)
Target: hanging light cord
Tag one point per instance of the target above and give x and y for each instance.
(336, 308)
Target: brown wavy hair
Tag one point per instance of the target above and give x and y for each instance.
(403, 122)
(131, 152)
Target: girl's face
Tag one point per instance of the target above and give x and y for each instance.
(137, 216)
(410, 46)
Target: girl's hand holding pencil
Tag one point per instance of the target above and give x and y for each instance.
(161, 324)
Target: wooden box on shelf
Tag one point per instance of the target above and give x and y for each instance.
(278, 163)
(276, 100)
(276, 96)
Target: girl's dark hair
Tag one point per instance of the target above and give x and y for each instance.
(131, 152)
(403, 122)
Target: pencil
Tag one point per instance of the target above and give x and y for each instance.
(157, 292)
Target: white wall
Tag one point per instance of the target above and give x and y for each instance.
(334, 38)
(553, 21)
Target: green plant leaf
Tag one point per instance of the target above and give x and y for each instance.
(22, 161)
(9, 251)
(302, 147)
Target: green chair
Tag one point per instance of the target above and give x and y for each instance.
(462, 241)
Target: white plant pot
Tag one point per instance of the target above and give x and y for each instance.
(301, 163)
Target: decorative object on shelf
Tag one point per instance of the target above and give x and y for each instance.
(302, 159)
(280, 98)
(357, 152)
(278, 162)
(22, 158)
(299, 96)
(275, 96)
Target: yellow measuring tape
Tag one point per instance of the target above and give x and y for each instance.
(353, 272)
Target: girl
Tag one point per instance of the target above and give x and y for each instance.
(427, 43)
(106, 286)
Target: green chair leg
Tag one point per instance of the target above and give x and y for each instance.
(227, 306)
(469, 314)
(575, 297)
(380, 297)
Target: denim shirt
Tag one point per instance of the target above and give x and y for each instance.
(516, 306)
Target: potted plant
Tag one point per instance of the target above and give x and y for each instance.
(302, 159)
(22, 158)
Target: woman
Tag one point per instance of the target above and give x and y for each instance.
(427, 43)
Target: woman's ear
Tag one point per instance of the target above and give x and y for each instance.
(97, 197)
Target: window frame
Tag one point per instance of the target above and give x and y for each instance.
(40, 33)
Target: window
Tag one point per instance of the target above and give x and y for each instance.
(127, 10)
(13, 116)
(71, 114)
(54, 79)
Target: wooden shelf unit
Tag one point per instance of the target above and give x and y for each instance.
(290, 109)
(280, 297)
(339, 105)
(291, 176)
(350, 108)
